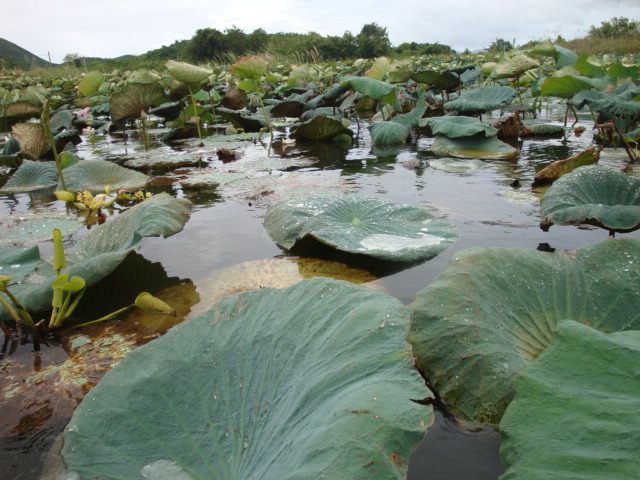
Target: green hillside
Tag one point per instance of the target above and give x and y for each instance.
(12, 55)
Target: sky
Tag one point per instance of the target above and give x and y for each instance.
(113, 28)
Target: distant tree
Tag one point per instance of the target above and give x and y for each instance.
(373, 41)
(257, 40)
(501, 45)
(615, 28)
(74, 58)
(235, 41)
(205, 44)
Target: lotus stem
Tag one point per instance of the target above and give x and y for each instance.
(195, 112)
(106, 317)
(47, 132)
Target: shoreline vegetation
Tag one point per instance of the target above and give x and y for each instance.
(617, 36)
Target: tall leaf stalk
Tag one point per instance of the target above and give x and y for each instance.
(47, 131)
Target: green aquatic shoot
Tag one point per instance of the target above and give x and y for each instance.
(14, 307)
(145, 301)
(67, 292)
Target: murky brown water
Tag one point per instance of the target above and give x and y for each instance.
(225, 229)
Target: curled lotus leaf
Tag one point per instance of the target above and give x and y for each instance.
(457, 127)
(306, 382)
(95, 175)
(191, 75)
(482, 99)
(564, 87)
(439, 80)
(134, 99)
(32, 139)
(370, 87)
(495, 310)
(360, 224)
(22, 110)
(574, 415)
(515, 66)
(593, 195)
(320, 127)
(32, 176)
(389, 133)
(251, 68)
(90, 83)
(474, 146)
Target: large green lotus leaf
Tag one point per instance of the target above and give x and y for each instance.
(134, 99)
(18, 262)
(99, 252)
(589, 66)
(389, 133)
(623, 113)
(321, 127)
(563, 87)
(32, 176)
(32, 139)
(90, 84)
(515, 66)
(575, 414)
(190, 74)
(458, 127)
(412, 119)
(565, 57)
(360, 224)
(494, 310)
(593, 195)
(475, 146)
(95, 175)
(371, 87)
(482, 99)
(545, 48)
(587, 97)
(313, 381)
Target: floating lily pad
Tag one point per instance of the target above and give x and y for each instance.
(494, 310)
(575, 414)
(456, 165)
(320, 370)
(159, 159)
(95, 175)
(360, 224)
(482, 99)
(593, 195)
(457, 127)
(32, 176)
(475, 146)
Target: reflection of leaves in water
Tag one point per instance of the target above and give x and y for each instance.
(42, 395)
(274, 272)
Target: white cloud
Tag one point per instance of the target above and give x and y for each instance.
(115, 28)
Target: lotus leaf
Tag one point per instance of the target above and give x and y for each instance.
(475, 146)
(90, 84)
(22, 110)
(105, 247)
(515, 66)
(557, 169)
(371, 87)
(95, 175)
(564, 87)
(287, 108)
(456, 165)
(389, 133)
(320, 388)
(61, 120)
(575, 413)
(482, 99)
(593, 195)
(249, 123)
(494, 310)
(35, 226)
(545, 48)
(624, 113)
(379, 69)
(187, 73)
(565, 57)
(360, 224)
(589, 66)
(134, 99)
(32, 139)
(439, 80)
(32, 176)
(320, 127)
(324, 111)
(458, 127)
(252, 68)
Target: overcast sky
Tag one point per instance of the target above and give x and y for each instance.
(118, 27)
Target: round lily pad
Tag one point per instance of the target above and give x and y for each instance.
(360, 224)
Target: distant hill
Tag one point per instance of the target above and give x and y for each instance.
(13, 54)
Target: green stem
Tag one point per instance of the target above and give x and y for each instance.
(23, 315)
(106, 317)
(195, 112)
(47, 132)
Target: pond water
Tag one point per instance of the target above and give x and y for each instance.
(225, 229)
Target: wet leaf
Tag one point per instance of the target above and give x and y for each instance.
(32, 176)
(32, 139)
(475, 146)
(95, 175)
